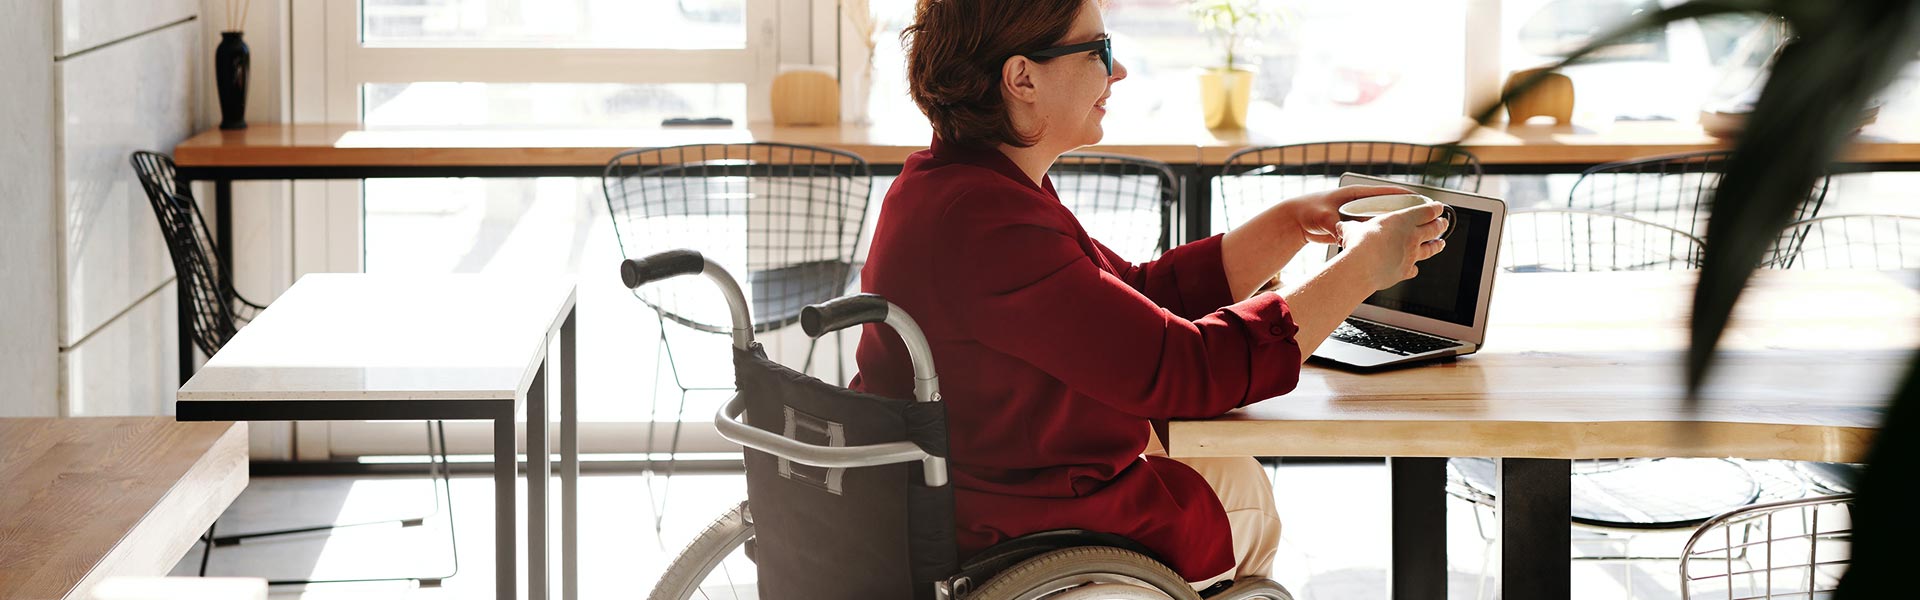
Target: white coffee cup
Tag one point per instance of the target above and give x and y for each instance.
(1374, 206)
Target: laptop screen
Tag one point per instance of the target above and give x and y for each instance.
(1448, 286)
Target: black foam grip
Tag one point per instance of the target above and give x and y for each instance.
(636, 272)
(843, 312)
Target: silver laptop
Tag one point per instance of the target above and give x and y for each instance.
(1440, 313)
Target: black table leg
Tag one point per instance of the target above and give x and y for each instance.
(184, 301)
(1197, 204)
(223, 221)
(1419, 569)
(183, 315)
(1535, 506)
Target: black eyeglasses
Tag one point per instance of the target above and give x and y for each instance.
(1103, 45)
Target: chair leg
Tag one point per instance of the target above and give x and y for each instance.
(440, 476)
(235, 539)
(207, 540)
(673, 459)
(660, 349)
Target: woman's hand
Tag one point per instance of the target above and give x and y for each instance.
(1256, 250)
(1388, 246)
(1318, 214)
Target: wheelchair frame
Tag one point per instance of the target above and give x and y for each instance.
(1024, 556)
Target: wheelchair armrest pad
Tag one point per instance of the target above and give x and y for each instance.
(1006, 554)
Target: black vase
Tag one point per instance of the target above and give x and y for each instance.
(231, 62)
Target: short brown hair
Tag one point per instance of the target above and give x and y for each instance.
(955, 49)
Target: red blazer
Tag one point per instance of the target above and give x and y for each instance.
(1054, 354)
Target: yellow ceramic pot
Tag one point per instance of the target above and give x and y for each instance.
(1224, 95)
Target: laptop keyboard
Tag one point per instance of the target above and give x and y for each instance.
(1388, 339)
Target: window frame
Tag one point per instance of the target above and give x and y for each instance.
(329, 70)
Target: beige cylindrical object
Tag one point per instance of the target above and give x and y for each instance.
(805, 98)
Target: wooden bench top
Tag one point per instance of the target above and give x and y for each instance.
(84, 499)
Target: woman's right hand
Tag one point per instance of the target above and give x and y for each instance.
(1389, 246)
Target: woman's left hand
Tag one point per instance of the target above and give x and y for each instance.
(1318, 213)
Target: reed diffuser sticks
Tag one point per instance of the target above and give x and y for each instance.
(237, 11)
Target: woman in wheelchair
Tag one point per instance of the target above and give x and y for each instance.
(1057, 355)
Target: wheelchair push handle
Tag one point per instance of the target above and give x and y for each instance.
(847, 311)
(843, 312)
(636, 272)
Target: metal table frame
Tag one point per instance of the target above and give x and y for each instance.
(505, 457)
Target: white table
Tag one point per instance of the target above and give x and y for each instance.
(347, 347)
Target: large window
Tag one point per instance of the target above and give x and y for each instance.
(466, 104)
(1665, 75)
(579, 65)
(667, 24)
(1362, 60)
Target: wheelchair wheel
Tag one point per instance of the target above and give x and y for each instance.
(1087, 573)
(688, 576)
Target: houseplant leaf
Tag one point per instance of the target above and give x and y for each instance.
(1845, 53)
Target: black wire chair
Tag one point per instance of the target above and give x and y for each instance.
(215, 311)
(788, 216)
(1568, 240)
(1254, 178)
(1677, 191)
(1125, 202)
(1867, 242)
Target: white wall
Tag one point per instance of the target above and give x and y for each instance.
(86, 281)
(128, 74)
(29, 253)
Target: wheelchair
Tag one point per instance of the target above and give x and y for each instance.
(848, 494)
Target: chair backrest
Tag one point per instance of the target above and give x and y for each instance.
(1871, 242)
(1790, 549)
(1125, 202)
(1676, 191)
(196, 261)
(1254, 178)
(1567, 240)
(787, 218)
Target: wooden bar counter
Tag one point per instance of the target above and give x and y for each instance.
(1549, 147)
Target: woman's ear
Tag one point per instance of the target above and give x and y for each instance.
(1017, 81)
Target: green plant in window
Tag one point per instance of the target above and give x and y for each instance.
(1842, 55)
(1233, 22)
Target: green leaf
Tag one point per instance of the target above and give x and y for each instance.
(1883, 528)
(1806, 113)
(1845, 53)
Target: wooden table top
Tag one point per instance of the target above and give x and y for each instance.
(354, 145)
(89, 498)
(1588, 365)
(354, 336)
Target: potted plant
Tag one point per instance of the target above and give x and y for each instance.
(1225, 89)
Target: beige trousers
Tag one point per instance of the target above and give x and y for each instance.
(1242, 486)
